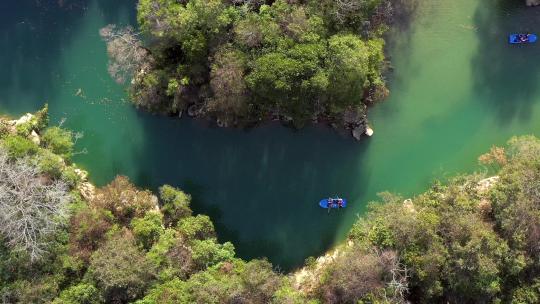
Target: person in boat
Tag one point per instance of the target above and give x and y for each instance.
(330, 203)
(340, 203)
(523, 37)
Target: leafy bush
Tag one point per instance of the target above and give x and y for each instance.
(70, 176)
(59, 141)
(148, 229)
(199, 227)
(19, 147)
(207, 253)
(120, 269)
(175, 204)
(170, 292)
(4, 128)
(50, 163)
(124, 200)
(83, 293)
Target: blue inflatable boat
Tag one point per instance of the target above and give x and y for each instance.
(333, 203)
(522, 38)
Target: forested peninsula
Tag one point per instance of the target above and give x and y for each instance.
(472, 239)
(242, 62)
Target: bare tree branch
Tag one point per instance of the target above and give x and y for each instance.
(127, 55)
(31, 206)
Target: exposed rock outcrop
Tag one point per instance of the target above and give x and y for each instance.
(34, 137)
(87, 190)
(532, 2)
(24, 119)
(355, 120)
(358, 132)
(369, 131)
(82, 174)
(408, 205)
(484, 185)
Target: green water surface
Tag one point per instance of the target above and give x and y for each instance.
(457, 88)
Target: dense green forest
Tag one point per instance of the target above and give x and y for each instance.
(472, 239)
(246, 61)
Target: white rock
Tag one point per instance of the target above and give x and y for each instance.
(486, 184)
(369, 131)
(82, 174)
(87, 190)
(408, 205)
(532, 2)
(24, 119)
(34, 137)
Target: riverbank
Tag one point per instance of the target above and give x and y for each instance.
(468, 240)
(432, 123)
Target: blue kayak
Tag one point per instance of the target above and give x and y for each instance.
(522, 38)
(335, 203)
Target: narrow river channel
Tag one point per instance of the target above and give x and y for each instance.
(457, 88)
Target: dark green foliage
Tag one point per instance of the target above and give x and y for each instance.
(120, 269)
(19, 147)
(70, 176)
(243, 63)
(50, 163)
(42, 118)
(199, 227)
(79, 294)
(59, 141)
(527, 294)
(463, 243)
(171, 292)
(470, 240)
(148, 229)
(175, 204)
(231, 282)
(516, 200)
(206, 253)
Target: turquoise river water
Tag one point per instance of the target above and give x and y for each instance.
(457, 88)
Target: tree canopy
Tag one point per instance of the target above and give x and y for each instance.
(246, 61)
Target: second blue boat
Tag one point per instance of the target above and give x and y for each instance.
(522, 38)
(333, 203)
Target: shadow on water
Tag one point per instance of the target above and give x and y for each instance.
(398, 38)
(35, 34)
(506, 75)
(260, 187)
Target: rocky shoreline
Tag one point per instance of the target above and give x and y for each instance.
(30, 124)
(352, 121)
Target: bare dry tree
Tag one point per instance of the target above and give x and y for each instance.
(31, 206)
(127, 55)
(345, 8)
(397, 282)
